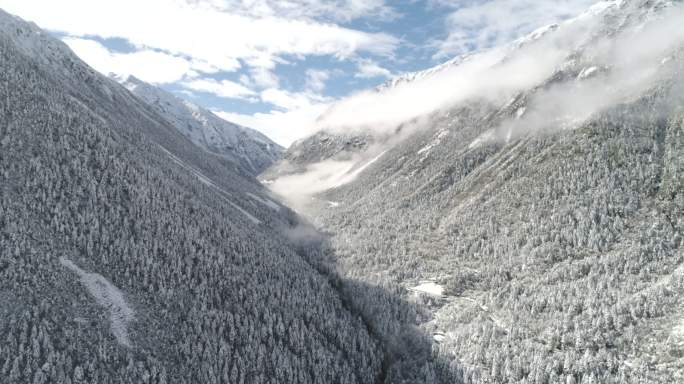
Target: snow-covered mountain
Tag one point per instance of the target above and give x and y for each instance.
(599, 8)
(570, 57)
(247, 147)
(529, 199)
(130, 255)
(516, 216)
(410, 77)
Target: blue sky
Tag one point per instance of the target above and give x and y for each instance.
(275, 65)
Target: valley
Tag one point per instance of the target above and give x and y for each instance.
(514, 215)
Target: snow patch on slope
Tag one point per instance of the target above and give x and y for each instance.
(426, 150)
(678, 329)
(108, 296)
(484, 138)
(299, 188)
(352, 174)
(587, 72)
(430, 288)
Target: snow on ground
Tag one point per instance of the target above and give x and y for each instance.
(267, 202)
(520, 112)
(438, 337)
(425, 151)
(349, 176)
(678, 330)
(333, 204)
(368, 164)
(602, 6)
(484, 138)
(587, 72)
(429, 287)
(207, 181)
(247, 214)
(107, 296)
(535, 35)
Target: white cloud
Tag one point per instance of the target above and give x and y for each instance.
(293, 116)
(476, 25)
(147, 65)
(332, 10)
(245, 80)
(283, 127)
(204, 66)
(370, 69)
(200, 30)
(264, 78)
(315, 79)
(290, 100)
(298, 188)
(384, 111)
(224, 88)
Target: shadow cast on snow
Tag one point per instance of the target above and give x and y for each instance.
(408, 355)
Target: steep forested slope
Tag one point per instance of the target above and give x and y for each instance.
(129, 255)
(559, 255)
(545, 247)
(246, 147)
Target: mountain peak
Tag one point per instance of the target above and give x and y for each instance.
(248, 148)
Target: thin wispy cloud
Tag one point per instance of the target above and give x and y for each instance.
(149, 65)
(279, 124)
(316, 79)
(476, 25)
(223, 88)
(370, 69)
(337, 11)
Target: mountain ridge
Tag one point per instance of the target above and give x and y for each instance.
(247, 147)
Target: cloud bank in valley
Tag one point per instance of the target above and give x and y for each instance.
(298, 188)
